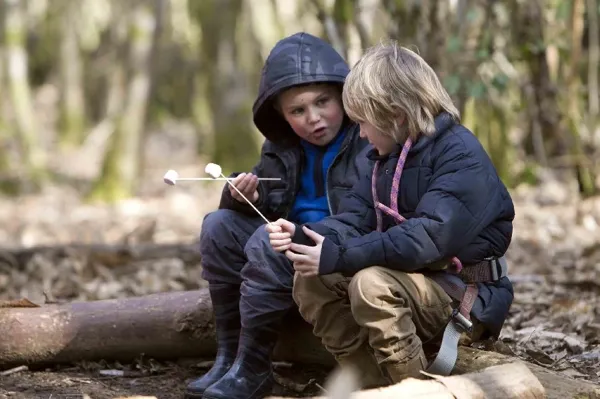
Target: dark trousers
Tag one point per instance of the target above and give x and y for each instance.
(236, 250)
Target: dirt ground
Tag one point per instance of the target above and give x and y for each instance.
(554, 263)
(167, 381)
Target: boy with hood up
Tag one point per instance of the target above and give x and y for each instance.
(312, 145)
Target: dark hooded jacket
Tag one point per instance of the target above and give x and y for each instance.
(296, 60)
(455, 205)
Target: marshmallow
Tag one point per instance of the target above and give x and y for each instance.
(171, 177)
(213, 169)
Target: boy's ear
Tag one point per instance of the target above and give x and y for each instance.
(401, 119)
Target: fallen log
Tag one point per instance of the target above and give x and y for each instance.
(508, 381)
(175, 325)
(161, 326)
(106, 254)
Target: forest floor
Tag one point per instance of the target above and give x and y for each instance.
(554, 262)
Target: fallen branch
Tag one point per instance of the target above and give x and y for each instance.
(106, 254)
(180, 325)
(161, 326)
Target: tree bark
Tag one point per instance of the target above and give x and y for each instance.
(121, 164)
(573, 99)
(180, 325)
(72, 101)
(226, 83)
(161, 326)
(20, 91)
(545, 92)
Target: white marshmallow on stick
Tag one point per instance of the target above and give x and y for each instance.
(215, 171)
(171, 178)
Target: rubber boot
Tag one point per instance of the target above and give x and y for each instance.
(226, 304)
(251, 376)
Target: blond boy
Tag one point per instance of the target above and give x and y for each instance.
(430, 225)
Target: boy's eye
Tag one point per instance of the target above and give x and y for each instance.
(297, 111)
(322, 101)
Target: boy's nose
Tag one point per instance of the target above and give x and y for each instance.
(314, 116)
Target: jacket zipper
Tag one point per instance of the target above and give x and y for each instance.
(297, 186)
(340, 152)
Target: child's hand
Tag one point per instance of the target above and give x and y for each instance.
(306, 259)
(247, 183)
(280, 234)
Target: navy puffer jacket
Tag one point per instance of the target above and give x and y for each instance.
(455, 205)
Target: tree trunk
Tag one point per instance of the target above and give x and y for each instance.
(529, 21)
(227, 84)
(20, 91)
(592, 80)
(593, 60)
(120, 168)
(6, 186)
(332, 29)
(572, 100)
(180, 325)
(72, 111)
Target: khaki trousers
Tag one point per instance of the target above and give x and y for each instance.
(375, 321)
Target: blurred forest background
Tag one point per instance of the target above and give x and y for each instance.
(86, 83)
(101, 97)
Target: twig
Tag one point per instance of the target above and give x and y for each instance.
(320, 387)
(14, 370)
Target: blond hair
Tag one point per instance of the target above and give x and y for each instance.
(396, 91)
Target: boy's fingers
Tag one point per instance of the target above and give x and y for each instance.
(241, 185)
(281, 248)
(280, 236)
(253, 182)
(238, 179)
(273, 228)
(294, 257)
(281, 243)
(301, 249)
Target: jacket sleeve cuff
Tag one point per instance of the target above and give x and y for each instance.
(330, 257)
(301, 238)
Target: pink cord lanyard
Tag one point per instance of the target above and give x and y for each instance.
(393, 211)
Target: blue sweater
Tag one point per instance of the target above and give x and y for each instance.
(311, 201)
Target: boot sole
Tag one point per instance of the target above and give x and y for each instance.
(254, 396)
(188, 395)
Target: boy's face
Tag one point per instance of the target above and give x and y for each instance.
(384, 144)
(315, 112)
